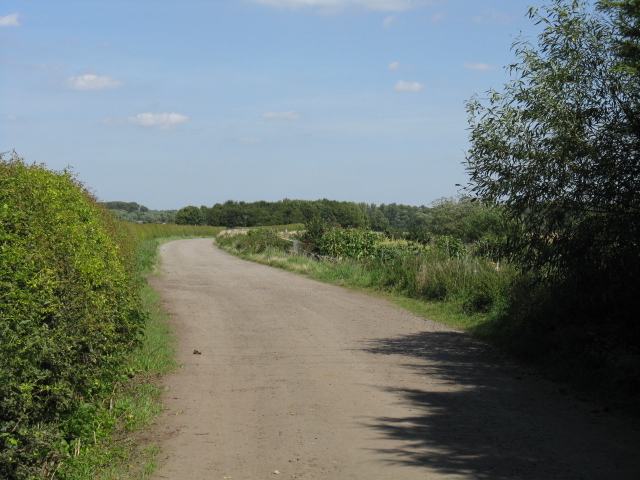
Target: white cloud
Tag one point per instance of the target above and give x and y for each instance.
(394, 66)
(164, 121)
(481, 67)
(12, 20)
(338, 5)
(403, 86)
(92, 82)
(390, 20)
(290, 115)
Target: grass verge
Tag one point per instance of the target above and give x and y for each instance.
(122, 451)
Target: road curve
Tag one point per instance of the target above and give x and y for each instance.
(298, 379)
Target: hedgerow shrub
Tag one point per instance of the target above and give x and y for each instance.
(260, 240)
(388, 251)
(69, 314)
(254, 241)
(453, 246)
(347, 242)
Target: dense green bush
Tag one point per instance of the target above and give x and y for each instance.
(254, 241)
(189, 216)
(347, 242)
(262, 239)
(389, 251)
(451, 245)
(69, 313)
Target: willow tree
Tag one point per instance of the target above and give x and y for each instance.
(558, 148)
(626, 16)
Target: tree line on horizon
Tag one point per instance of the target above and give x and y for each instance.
(461, 217)
(283, 212)
(233, 213)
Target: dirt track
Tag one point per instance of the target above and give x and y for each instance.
(298, 379)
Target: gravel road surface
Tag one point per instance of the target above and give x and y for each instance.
(298, 379)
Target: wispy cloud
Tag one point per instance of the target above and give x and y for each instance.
(339, 5)
(163, 121)
(92, 82)
(394, 66)
(403, 86)
(390, 20)
(290, 115)
(12, 20)
(481, 67)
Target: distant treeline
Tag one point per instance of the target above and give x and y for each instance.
(460, 217)
(134, 212)
(250, 214)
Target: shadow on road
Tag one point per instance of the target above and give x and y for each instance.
(480, 419)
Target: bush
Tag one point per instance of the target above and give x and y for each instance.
(347, 242)
(255, 241)
(453, 246)
(69, 314)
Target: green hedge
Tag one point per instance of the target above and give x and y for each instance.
(347, 242)
(69, 314)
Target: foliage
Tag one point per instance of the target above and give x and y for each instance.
(262, 239)
(70, 314)
(254, 241)
(387, 251)
(189, 216)
(134, 212)
(346, 242)
(419, 233)
(314, 230)
(452, 246)
(398, 217)
(626, 16)
(557, 148)
(128, 207)
(243, 214)
(559, 151)
(464, 218)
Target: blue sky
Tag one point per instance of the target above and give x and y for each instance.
(172, 103)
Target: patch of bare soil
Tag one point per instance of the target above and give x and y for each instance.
(285, 377)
